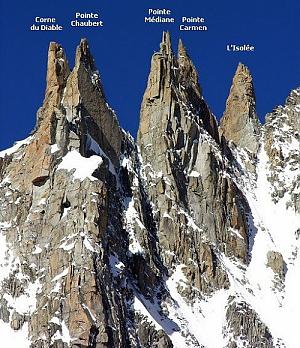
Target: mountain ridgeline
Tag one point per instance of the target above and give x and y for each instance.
(187, 237)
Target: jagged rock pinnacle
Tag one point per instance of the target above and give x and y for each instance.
(85, 102)
(57, 71)
(177, 136)
(182, 52)
(166, 45)
(37, 155)
(103, 243)
(83, 55)
(173, 81)
(189, 75)
(240, 122)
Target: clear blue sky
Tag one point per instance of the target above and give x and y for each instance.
(123, 48)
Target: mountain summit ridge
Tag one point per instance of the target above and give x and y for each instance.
(187, 237)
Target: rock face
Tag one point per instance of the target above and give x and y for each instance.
(178, 140)
(276, 262)
(282, 142)
(165, 242)
(244, 326)
(239, 122)
(86, 108)
(61, 221)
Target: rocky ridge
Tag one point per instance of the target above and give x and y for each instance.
(169, 241)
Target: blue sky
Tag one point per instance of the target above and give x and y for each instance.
(123, 48)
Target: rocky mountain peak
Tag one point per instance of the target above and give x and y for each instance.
(37, 155)
(86, 108)
(242, 69)
(84, 56)
(166, 45)
(181, 48)
(108, 242)
(189, 76)
(173, 91)
(58, 69)
(178, 140)
(57, 74)
(240, 123)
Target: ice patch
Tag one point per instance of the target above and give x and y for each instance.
(194, 174)
(61, 275)
(208, 314)
(12, 338)
(62, 334)
(132, 217)
(54, 148)
(25, 303)
(116, 265)
(92, 145)
(37, 250)
(65, 212)
(84, 167)
(67, 246)
(55, 320)
(88, 245)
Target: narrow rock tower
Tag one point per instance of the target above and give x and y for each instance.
(240, 122)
